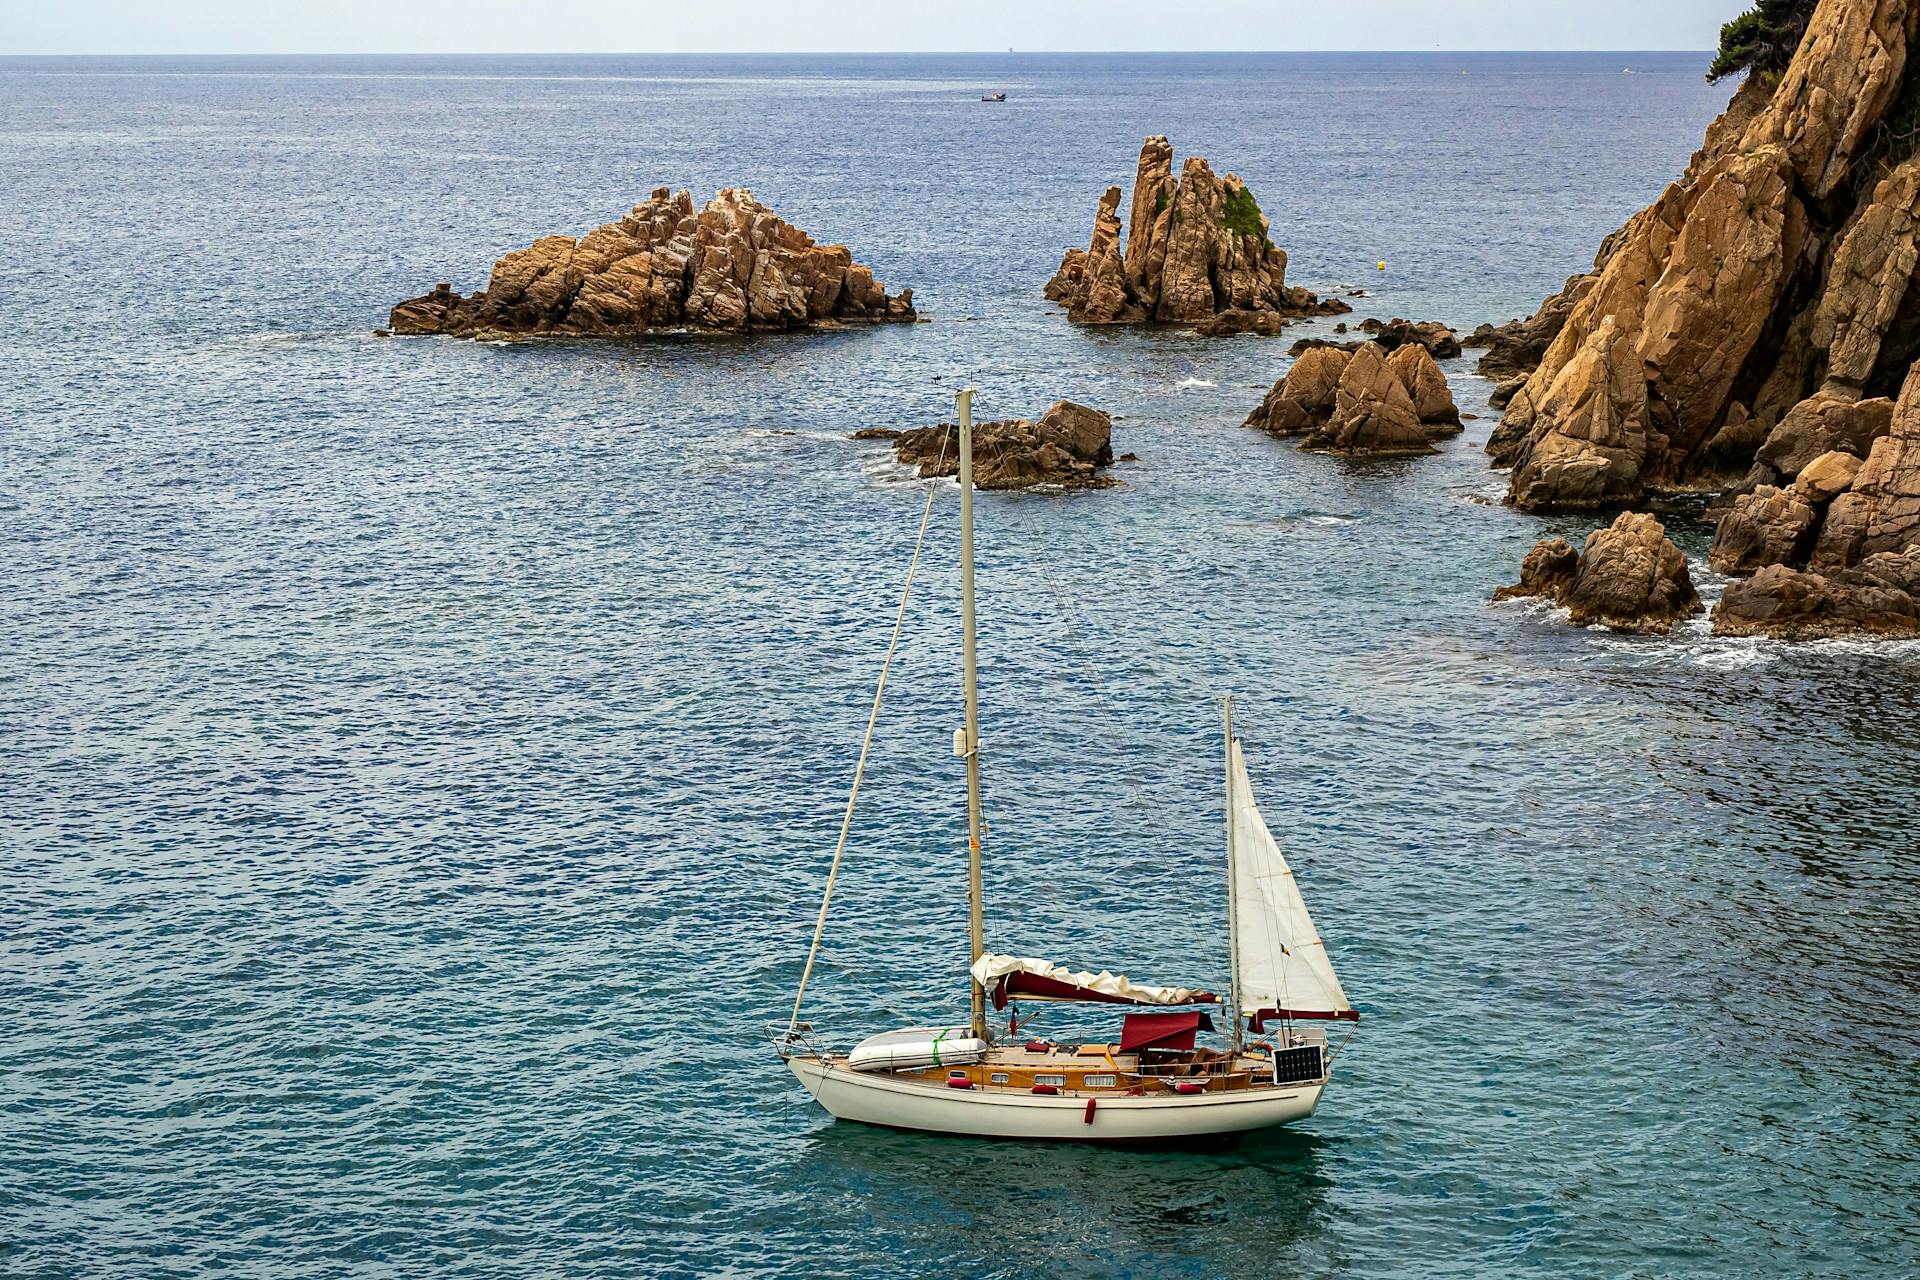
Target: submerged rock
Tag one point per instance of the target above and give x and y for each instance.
(1197, 253)
(1630, 577)
(732, 267)
(1066, 447)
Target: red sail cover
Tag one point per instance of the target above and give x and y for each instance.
(1040, 987)
(1161, 1030)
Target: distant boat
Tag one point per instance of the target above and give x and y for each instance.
(993, 97)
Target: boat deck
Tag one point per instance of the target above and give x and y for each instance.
(1100, 1070)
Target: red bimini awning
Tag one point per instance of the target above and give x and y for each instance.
(1161, 1030)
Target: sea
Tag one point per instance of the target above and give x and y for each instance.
(420, 760)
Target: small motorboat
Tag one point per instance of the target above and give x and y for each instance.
(993, 97)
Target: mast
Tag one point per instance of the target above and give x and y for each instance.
(975, 919)
(1233, 902)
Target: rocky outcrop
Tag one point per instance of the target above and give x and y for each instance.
(1440, 342)
(1778, 270)
(1837, 550)
(733, 266)
(1878, 597)
(1630, 577)
(1197, 253)
(1819, 424)
(1066, 447)
(1363, 401)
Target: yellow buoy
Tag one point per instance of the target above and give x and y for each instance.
(1383, 266)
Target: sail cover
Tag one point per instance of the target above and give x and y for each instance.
(1026, 978)
(1281, 963)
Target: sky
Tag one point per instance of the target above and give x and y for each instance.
(806, 26)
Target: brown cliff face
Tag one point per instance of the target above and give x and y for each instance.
(1779, 267)
(732, 267)
(1196, 253)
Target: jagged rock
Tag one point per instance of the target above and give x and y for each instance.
(1598, 405)
(1432, 399)
(1549, 571)
(1767, 526)
(1065, 448)
(1304, 398)
(1630, 577)
(1827, 477)
(1373, 412)
(734, 266)
(1440, 342)
(1303, 345)
(1820, 424)
(1767, 273)
(1515, 348)
(1197, 253)
(1361, 401)
(1878, 597)
(1503, 392)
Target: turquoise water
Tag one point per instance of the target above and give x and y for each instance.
(421, 759)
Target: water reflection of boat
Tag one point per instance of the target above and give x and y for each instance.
(993, 97)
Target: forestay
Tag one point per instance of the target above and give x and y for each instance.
(1282, 965)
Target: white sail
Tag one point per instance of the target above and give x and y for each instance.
(1280, 962)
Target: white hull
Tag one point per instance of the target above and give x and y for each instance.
(984, 1113)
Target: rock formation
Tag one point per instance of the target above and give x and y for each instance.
(1196, 252)
(1743, 334)
(1363, 401)
(1630, 577)
(733, 266)
(1441, 342)
(1065, 447)
(1779, 269)
(1839, 548)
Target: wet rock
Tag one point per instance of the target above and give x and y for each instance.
(1066, 447)
(1878, 597)
(1440, 342)
(1548, 571)
(732, 267)
(1629, 577)
(1197, 253)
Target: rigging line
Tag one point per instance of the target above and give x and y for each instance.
(866, 744)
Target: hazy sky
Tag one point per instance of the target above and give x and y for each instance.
(639, 26)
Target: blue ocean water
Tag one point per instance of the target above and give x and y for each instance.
(419, 760)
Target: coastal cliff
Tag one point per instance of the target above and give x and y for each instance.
(733, 266)
(1750, 324)
(1197, 252)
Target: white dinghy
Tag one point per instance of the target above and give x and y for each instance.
(1156, 1083)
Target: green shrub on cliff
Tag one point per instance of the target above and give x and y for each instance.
(1242, 213)
(1762, 39)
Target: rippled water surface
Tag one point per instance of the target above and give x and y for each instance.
(419, 760)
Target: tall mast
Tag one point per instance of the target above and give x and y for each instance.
(1233, 895)
(975, 919)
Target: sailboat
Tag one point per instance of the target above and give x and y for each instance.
(1156, 1083)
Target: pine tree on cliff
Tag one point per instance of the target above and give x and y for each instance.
(1762, 40)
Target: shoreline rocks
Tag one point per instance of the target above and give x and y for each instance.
(1629, 577)
(1363, 402)
(1067, 447)
(1197, 253)
(733, 267)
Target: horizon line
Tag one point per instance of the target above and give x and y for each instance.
(779, 53)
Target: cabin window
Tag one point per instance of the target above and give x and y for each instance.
(1101, 1082)
(998, 1077)
(1058, 1082)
